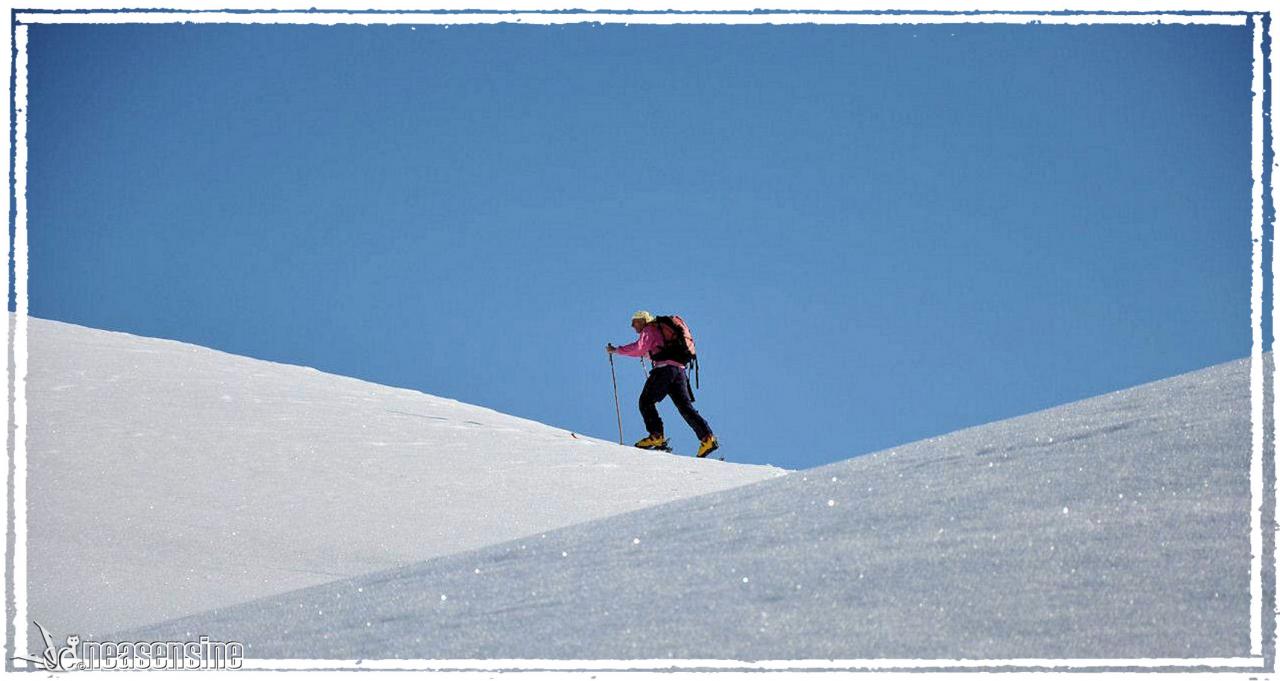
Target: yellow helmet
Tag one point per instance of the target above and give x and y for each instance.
(644, 315)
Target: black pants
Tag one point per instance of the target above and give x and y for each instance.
(672, 381)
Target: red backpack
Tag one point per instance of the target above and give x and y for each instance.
(677, 343)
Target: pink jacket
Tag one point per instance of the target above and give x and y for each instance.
(650, 340)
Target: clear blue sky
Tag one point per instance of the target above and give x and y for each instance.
(877, 233)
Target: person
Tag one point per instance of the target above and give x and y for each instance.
(667, 378)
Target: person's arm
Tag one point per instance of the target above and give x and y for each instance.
(648, 341)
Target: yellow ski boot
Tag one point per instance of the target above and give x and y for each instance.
(654, 442)
(708, 445)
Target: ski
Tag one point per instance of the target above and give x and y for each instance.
(669, 450)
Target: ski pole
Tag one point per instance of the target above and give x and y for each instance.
(616, 406)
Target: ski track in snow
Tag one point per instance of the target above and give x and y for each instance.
(167, 479)
(1114, 527)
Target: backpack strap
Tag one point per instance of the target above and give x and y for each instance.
(687, 386)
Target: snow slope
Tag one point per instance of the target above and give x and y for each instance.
(166, 479)
(1115, 527)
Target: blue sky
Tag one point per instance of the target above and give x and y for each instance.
(877, 233)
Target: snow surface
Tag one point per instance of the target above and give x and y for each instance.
(167, 479)
(1115, 527)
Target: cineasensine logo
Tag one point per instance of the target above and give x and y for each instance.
(108, 655)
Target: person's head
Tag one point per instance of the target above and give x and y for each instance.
(640, 319)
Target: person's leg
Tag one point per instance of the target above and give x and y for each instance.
(655, 389)
(683, 400)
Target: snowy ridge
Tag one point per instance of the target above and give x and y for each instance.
(166, 479)
(1115, 527)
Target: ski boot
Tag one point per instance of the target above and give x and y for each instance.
(654, 442)
(707, 446)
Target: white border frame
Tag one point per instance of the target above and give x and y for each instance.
(540, 18)
(1256, 393)
(19, 425)
(16, 340)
